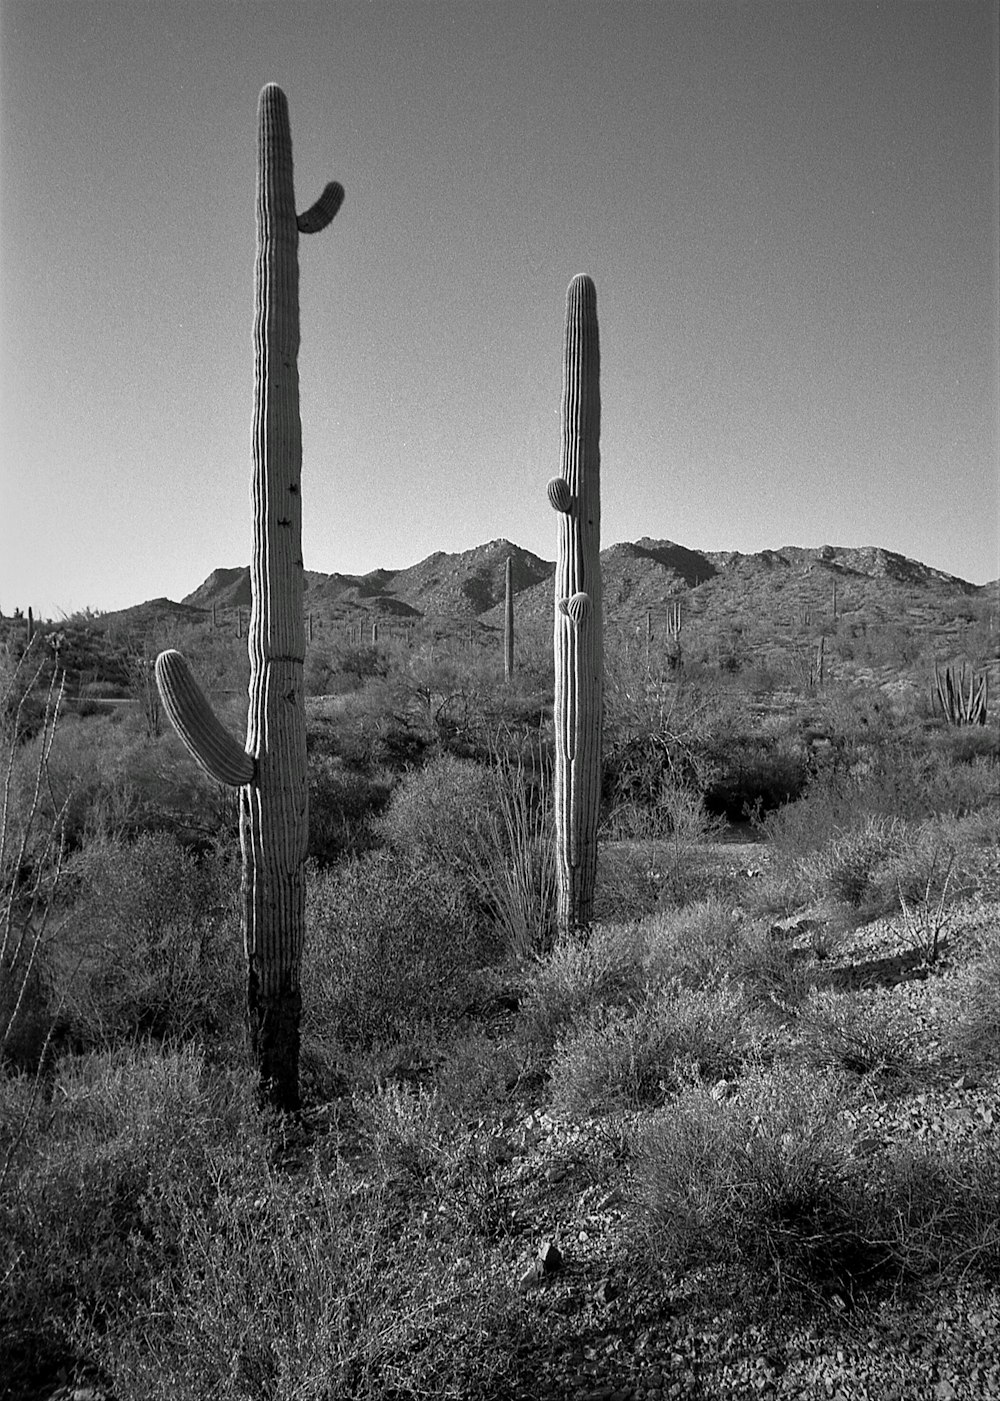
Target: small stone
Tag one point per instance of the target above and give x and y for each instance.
(965, 1082)
(555, 1174)
(533, 1275)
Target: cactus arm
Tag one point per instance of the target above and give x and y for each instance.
(559, 494)
(318, 215)
(207, 741)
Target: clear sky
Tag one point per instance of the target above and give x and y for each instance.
(789, 207)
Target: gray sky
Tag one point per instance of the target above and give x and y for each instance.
(790, 211)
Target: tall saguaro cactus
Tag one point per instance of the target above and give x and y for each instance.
(508, 618)
(270, 771)
(576, 496)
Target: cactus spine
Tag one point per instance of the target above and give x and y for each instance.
(271, 771)
(508, 619)
(576, 496)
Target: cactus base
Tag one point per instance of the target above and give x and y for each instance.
(273, 1023)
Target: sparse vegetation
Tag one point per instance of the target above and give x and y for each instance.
(764, 1088)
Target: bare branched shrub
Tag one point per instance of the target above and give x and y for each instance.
(31, 863)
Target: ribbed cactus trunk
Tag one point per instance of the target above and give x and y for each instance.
(576, 495)
(271, 771)
(508, 619)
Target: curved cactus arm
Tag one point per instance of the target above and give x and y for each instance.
(559, 494)
(207, 741)
(317, 216)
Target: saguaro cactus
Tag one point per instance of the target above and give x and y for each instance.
(271, 770)
(576, 495)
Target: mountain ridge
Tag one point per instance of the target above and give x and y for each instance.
(471, 582)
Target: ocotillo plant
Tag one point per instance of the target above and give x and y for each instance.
(508, 619)
(675, 623)
(576, 495)
(959, 704)
(271, 770)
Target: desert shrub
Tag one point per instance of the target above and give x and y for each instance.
(403, 1127)
(677, 734)
(345, 667)
(576, 976)
(629, 881)
(437, 816)
(489, 825)
(696, 945)
(475, 1073)
(312, 1288)
(763, 1183)
(858, 1033)
(388, 945)
(108, 779)
(773, 976)
(973, 1028)
(623, 1057)
(755, 774)
(152, 948)
(136, 1138)
(855, 861)
(344, 804)
(965, 744)
(933, 1211)
(32, 847)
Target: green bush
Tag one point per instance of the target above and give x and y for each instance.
(858, 1033)
(344, 805)
(388, 947)
(577, 977)
(973, 1028)
(96, 1190)
(696, 945)
(153, 947)
(624, 1057)
(763, 1183)
(489, 826)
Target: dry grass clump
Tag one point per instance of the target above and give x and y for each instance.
(693, 944)
(763, 1182)
(626, 1057)
(773, 1187)
(857, 1034)
(577, 976)
(203, 1266)
(973, 1028)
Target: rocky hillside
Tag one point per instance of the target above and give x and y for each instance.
(737, 610)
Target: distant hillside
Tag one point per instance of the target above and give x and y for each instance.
(458, 586)
(738, 610)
